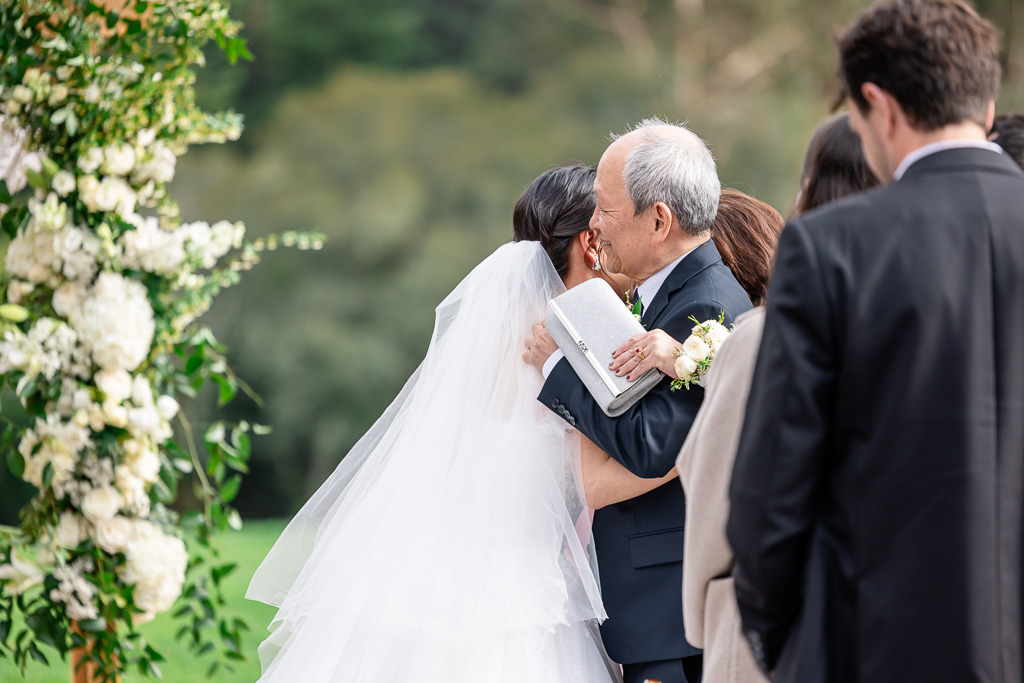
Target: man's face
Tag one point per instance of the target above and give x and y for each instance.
(870, 141)
(619, 231)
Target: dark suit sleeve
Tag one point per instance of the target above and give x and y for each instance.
(645, 439)
(779, 464)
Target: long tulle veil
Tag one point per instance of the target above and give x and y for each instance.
(451, 526)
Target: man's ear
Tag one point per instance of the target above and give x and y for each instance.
(990, 115)
(884, 111)
(662, 216)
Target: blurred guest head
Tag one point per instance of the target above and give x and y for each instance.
(657, 193)
(1008, 133)
(834, 166)
(746, 232)
(918, 71)
(554, 209)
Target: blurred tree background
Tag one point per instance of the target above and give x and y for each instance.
(406, 129)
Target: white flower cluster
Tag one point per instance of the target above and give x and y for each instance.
(155, 565)
(52, 443)
(699, 349)
(150, 248)
(49, 346)
(206, 244)
(115, 321)
(50, 248)
(74, 590)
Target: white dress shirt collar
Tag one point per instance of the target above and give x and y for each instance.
(650, 287)
(941, 146)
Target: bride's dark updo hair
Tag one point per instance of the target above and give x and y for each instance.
(555, 208)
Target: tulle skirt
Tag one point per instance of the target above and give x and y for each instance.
(451, 544)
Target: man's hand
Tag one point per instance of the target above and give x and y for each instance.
(539, 347)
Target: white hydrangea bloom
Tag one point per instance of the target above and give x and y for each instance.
(155, 566)
(116, 322)
(151, 248)
(118, 160)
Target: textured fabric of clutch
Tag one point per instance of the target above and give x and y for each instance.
(588, 323)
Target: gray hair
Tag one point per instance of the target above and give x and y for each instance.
(677, 170)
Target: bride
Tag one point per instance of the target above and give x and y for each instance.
(453, 542)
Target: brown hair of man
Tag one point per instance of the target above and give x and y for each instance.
(746, 233)
(937, 58)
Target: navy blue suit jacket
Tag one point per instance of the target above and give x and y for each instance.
(640, 541)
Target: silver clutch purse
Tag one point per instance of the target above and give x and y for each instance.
(588, 323)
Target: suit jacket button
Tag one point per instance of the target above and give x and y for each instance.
(554, 404)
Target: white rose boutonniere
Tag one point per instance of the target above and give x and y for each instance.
(699, 349)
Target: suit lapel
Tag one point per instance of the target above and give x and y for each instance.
(697, 260)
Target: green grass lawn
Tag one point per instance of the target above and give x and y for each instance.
(247, 548)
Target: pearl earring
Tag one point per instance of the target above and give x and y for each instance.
(597, 264)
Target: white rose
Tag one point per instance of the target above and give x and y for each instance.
(71, 530)
(91, 160)
(146, 466)
(113, 535)
(115, 383)
(144, 420)
(97, 419)
(22, 94)
(107, 195)
(39, 273)
(695, 348)
(114, 414)
(88, 185)
(167, 407)
(146, 137)
(118, 159)
(142, 393)
(101, 504)
(685, 366)
(92, 94)
(18, 290)
(64, 182)
(67, 300)
(58, 94)
(717, 332)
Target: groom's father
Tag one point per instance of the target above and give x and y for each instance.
(877, 493)
(657, 194)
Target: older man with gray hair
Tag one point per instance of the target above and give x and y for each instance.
(657, 194)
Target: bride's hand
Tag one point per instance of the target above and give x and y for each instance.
(641, 352)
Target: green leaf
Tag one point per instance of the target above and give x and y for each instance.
(242, 443)
(5, 194)
(193, 363)
(16, 463)
(36, 180)
(229, 490)
(93, 625)
(228, 389)
(223, 570)
(47, 475)
(112, 18)
(5, 630)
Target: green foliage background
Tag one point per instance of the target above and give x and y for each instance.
(406, 129)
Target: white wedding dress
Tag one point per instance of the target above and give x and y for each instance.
(452, 543)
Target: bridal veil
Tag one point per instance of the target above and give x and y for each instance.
(445, 547)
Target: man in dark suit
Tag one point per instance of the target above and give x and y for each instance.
(878, 493)
(657, 194)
